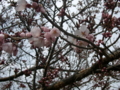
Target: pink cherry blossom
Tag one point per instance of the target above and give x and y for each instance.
(82, 43)
(21, 5)
(2, 37)
(45, 29)
(55, 32)
(71, 39)
(8, 47)
(38, 7)
(47, 43)
(36, 31)
(28, 34)
(90, 37)
(49, 37)
(82, 32)
(37, 42)
(61, 13)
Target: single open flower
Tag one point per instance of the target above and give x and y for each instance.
(55, 32)
(21, 5)
(36, 31)
(82, 32)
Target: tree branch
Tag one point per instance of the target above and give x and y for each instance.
(82, 74)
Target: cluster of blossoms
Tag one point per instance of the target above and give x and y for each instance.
(107, 34)
(83, 32)
(110, 22)
(22, 4)
(51, 75)
(41, 36)
(38, 37)
(110, 4)
(9, 47)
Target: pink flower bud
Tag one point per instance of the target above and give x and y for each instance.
(28, 34)
(22, 34)
(34, 5)
(45, 29)
(42, 10)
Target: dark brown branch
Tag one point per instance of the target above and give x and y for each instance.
(82, 74)
(19, 74)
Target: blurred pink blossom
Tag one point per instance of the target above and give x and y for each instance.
(37, 42)
(28, 34)
(45, 29)
(36, 31)
(2, 38)
(49, 37)
(8, 47)
(61, 13)
(47, 43)
(21, 5)
(90, 37)
(38, 7)
(55, 32)
(82, 32)
(22, 34)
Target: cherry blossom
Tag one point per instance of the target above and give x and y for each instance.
(35, 32)
(90, 37)
(38, 7)
(81, 43)
(37, 42)
(28, 34)
(55, 32)
(71, 39)
(45, 29)
(21, 5)
(42, 36)
(8, 47)
(49, 36)
(1, 38)
(82, 32)
(47, 43)
(22, 34)
(61, 13)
